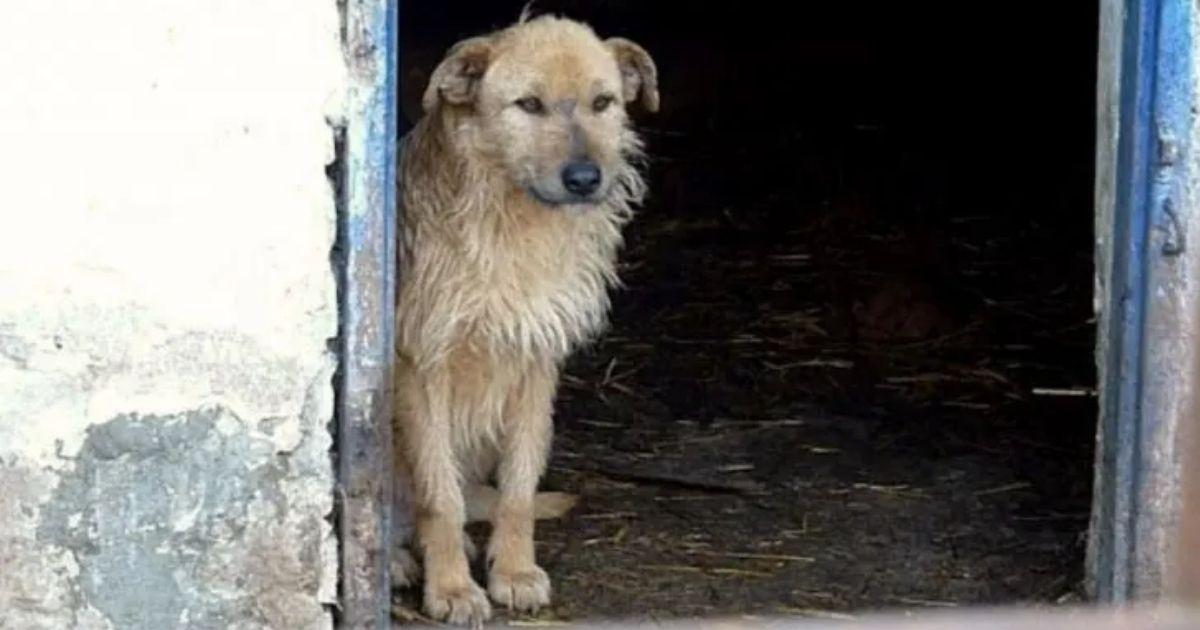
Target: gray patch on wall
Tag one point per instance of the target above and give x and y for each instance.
(184, 520)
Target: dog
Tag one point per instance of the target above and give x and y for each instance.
(516, 184)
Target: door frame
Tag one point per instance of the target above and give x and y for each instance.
(366, 261)
(1145, 301)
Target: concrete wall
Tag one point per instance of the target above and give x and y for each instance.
(166, 306)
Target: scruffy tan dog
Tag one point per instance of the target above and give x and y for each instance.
(515, 186)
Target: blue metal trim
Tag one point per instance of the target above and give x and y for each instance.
(1161, 385)
(1126, 306)
(368, 225)
(1155, 101)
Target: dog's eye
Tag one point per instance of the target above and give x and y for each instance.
(531, 105)
(602, 102)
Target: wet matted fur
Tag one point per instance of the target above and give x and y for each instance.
(507, 256)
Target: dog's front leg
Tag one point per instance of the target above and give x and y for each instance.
(450, 592)
(514, 578)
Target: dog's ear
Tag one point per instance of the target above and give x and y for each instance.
(639, 76)
(456, 79)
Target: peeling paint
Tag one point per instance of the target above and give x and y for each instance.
(188, 518)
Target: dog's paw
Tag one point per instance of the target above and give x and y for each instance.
(404, 568)
(525, 590)
(461, 604)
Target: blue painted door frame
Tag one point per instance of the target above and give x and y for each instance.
(1137, 466)
(367, 234)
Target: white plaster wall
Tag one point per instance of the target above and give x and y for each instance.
(166, 298)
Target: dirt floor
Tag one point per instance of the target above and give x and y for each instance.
(829, 397)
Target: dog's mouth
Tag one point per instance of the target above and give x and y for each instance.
(564, 199)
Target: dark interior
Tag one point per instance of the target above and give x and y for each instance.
(852, 367)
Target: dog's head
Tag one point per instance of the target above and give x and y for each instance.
(545, 99)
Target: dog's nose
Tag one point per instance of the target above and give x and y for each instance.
(581, 178)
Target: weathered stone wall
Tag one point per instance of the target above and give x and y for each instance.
(166, 303)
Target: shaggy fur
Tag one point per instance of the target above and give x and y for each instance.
(503, 273)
